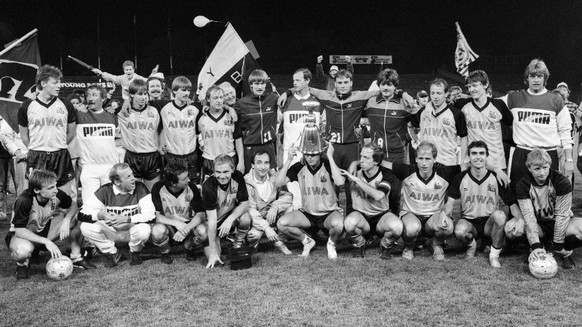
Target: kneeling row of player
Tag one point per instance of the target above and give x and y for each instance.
(122, 210)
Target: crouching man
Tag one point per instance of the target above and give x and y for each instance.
(42, 215)
(267, 202)
(226, 202)
(120, 212)
(179, 213)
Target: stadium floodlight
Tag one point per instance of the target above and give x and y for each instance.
(201, 21)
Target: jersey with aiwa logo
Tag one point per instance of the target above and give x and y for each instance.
(317, 187)
(224, 198)
(179, 128)
(47, 123)
(178, 206)
(543, 197)
(139, 130)
(363, 202)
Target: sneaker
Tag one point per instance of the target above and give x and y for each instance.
(373, 241)
(111, 259)
(166, 258)
(282, 247)
(307, 246)
(83, 264)
(331, 252)
(135, 258)
(359, 252)
(568, 263)
(471, 249)
(437, 251)
(191, 254)
(494, 261)
(22, 272)
(387, 252)
(408, 253)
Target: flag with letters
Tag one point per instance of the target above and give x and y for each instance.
(464, 55)
(229, 61)
(18, 68)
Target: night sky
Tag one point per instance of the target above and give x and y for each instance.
(420, 35)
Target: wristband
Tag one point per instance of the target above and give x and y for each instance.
(558, 246)
(536, 246)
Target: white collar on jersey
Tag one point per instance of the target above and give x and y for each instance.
(544, 91)
(299, 97)
(117, 191)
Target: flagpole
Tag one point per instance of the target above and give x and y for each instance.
(18, 42)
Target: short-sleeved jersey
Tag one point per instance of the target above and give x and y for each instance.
(442, 129)
(95, 134)
(421, 197)
(47, 123)
(294, 115)
(180, 205)
(484, 124)
(139, 130)
(540, 120)
(224, 198)
(543, 197)
(34, 216)
(343, 113)
(179, 128)
(479, 198)
(317, 187)
(217, 134)
(388, 123)
(363, 202)
(122, 204)
(258, 118)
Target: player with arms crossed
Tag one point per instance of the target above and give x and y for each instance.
(226, 201)
(370, 195)
(179, 213)
(42, 215)
(545, 199)
(479, 192)
(320, 210)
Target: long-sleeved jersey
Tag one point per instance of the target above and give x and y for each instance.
(258, 118)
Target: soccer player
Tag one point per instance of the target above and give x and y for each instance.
(479, 191)
(179, 213)
(545, 199)
(258, 120)
(139, 133)
(47, 125)
(226, 201)
(219, 133)
(484, 116)
(440, 124)
(118, 212)
(178, 137)
(540, 119)
(123, 80)
(96, 139)
(42, 215)
(266, 201)
(370, 195)
(320, 210)
(423, 199)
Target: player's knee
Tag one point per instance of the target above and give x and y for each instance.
(499, 218)
(86, 228)
(411, 230)
(201, 232)
(350, 223)
(159, 232)
(141, 231)
(245, 221)
(283, 222)
(20, 249)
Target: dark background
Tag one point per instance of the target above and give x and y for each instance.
(420, 35)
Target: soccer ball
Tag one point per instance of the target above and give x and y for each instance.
(545, 267)
(59, 268)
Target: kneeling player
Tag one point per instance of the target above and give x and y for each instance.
(370, 189)
(226, 202)
(42, 215)
(179, 212)
(479, 192)
(320, 210)
(545, 199)
(267, 202)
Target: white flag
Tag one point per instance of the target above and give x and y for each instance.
(463, 54)
(230, 60)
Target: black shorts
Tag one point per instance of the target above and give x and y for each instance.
(58, 162)
(144, 165)
(373, 220)
(345, 154)
(548, 230)
(250, 150)
(479, 224)
(316, 221)
(190, 161)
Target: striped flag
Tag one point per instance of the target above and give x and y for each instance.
(463, 54)
(230, 61)
(18, 67)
